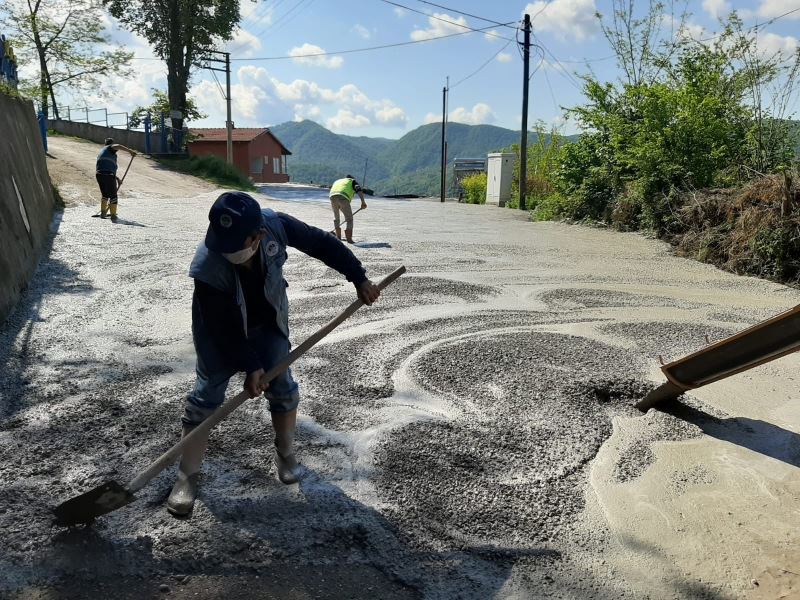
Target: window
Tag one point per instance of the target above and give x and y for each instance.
(257, 164)
(276, 165)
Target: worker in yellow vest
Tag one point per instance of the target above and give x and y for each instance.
(341, 194)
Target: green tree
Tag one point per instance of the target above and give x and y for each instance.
(160, 105)
(181, 32)
(67, 41)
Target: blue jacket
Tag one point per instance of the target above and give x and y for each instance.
(219, 309)
(106, 161)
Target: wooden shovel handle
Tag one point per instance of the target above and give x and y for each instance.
(125, 174)
(171, 455)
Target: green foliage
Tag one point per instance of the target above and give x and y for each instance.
(475, 188)
(212, 168)
(64, 48)
(160, 105)
(775, 252)
(181, 32)
(683, 121)
(543, 159)
(409, 165)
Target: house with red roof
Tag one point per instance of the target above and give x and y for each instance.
(256, 151)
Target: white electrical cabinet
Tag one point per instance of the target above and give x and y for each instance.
(498, 178)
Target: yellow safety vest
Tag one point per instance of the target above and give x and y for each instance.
(343, 187)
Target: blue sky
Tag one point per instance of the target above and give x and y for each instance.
(390, 92)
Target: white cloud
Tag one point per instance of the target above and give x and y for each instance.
(504, 57)
(773, 8)
(438, 27)
(481, 113)
(346, 119)
(717, 8)
(771, 44)
(400, 12)
(568, 19)
(492, 35)
(261, 99)
(244, 44)
(257, 13)
(362, 31)
(300, 56)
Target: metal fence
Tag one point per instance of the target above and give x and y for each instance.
(172, 141)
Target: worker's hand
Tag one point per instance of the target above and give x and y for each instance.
(119, 181)
(256, 383)
(363, 205)
(368, 292)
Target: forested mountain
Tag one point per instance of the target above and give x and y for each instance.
(408, 165)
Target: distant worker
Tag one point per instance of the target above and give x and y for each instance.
(106, 175)
(341, 194)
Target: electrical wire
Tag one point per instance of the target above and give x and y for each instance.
(484, 30)
(466, 14)
(479, 69)
(354, 50)
(219, 85)
(756, 26)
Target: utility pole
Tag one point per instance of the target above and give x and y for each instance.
(445, 91)
(229, 123)
(227, 70)
(523, 144)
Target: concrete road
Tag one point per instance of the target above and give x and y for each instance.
(470, 436)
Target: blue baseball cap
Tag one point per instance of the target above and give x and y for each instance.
(233, 217)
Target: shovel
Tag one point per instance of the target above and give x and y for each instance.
(350, 220)
(121, 181)
(110, 496)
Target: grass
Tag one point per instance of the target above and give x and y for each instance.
(210, 168)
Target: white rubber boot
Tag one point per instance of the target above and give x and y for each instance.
(285, 461)
(181, 499)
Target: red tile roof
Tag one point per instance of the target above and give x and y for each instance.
(239, 134)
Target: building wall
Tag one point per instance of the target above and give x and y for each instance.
(265, 147)
(244, 154)
(26, 199)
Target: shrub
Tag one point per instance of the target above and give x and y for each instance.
(475, 188)
(212, 168)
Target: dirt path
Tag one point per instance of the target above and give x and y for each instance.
(71, 162)
(469, 436)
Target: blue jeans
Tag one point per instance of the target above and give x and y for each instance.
(213, 374)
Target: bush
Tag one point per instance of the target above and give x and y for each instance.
(212, 168)
(475, 188)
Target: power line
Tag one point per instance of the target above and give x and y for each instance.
(756, 26)
(354, 50)
(466, 14)
(479, 69)
(484, 30)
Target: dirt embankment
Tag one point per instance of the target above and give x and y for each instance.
(71, 163)
(753, 230)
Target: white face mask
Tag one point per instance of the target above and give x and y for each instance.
(243, 255)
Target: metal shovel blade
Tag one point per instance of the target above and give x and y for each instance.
(99, 501)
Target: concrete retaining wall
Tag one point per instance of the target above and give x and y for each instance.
(127, 137)
(26, 199)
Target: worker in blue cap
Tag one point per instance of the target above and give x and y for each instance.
(240, 322)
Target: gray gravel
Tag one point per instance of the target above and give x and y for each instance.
(448, 436)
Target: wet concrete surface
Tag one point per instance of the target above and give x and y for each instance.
(470, 436)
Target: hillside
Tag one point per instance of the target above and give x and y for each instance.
(407, 165)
